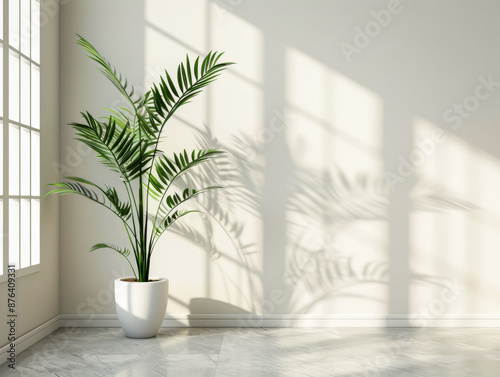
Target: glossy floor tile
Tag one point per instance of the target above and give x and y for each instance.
(186, 352)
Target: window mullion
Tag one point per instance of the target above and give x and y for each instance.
(5, 172)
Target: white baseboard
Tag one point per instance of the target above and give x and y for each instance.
(31, 337)
(290, 320)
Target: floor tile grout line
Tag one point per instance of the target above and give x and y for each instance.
(218, 356)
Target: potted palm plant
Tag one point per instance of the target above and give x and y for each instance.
(127, 142)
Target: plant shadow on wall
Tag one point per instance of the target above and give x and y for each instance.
(321, 207)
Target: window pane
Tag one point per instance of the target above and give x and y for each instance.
(25, 233)
(35, 30)
(13, 159)
(25, 161)
(13, 86)
(14, 23)
(25, 27)
(35, 163)
(25, 91)
(14, 232)
(35, 96)
(35, 231)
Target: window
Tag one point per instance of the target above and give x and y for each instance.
(20, 133)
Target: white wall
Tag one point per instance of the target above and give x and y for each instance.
(317, 137)
(37, 294)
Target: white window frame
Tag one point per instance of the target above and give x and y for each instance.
(6, 122)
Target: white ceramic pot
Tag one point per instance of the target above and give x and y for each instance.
(141, 306)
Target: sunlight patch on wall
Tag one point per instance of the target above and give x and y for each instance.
(158, 15)
(237, 109)
(238, 102)
(241, 41)
(455, 220)
(337, 212)
(334, 117)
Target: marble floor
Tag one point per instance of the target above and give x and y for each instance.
(200, 352)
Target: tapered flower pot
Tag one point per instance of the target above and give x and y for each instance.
(141, 306)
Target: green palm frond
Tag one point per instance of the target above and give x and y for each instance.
(117, 145)
(74, 188)
(167, 170)
(109, 71)
(167, 97)
(123, 208)
(137, 101)
(169, 220)
(107, 198)
(166, 223)
(170, 204)
(123, 251)
(120, 250)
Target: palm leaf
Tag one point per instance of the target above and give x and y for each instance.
(169, 220)
(108, 197)
(169, 205)
(136, 101)
(109, 71)
(123, 251)
(116, 144)
(120, 250)
(167, 171)
(166, 97)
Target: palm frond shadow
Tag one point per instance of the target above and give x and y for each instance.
(317, 262)
(320, 205)
(235, 174)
